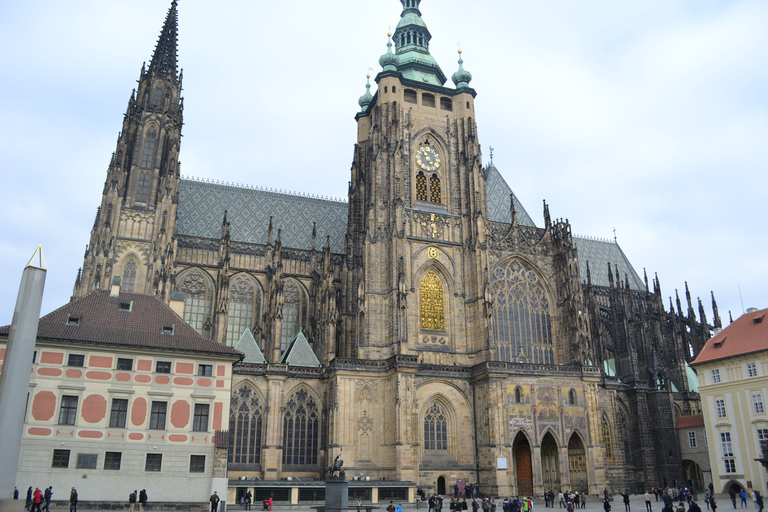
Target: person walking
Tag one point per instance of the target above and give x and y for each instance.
(693, 507)
(214, 499)
(732, 494)
(561, 498)
(625, 495)
(647, 498)
(759, 501)
(132, 498)
(249, 499)
(606, 503)
(28, 502)
(37, 500)
(743, 496)
(142, 499)
(73, 500)
(47, 495)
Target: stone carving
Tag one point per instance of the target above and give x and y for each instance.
(336, 467)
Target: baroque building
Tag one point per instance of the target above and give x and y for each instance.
(451, 337)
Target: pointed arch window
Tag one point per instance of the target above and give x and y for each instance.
(434, 189)
(245, 427)
(149, 149)
(522, 314)
(301, 430)
(294, 312)
(625, 437)
(157, 98)
(518, 396)
(431, 303)
(129, 276)
(421, 187)
(244, 309)
(435, 428)
(142, 188)
(608, 441)
(198, 301)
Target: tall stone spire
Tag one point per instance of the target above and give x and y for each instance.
(412, 41)
(164, 58)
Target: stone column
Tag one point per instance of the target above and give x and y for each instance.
(14, 380)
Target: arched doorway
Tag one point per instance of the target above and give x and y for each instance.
(577, 464)
(550, 465)
(694, 476)
(441, 486)
(523, 466)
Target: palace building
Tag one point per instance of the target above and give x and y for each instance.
(426, 329)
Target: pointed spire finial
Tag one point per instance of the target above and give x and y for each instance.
(389, 61)
(164, 59)
(462, 77)
(366, 98)
(490, 148)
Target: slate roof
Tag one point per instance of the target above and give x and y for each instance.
(599, 253)
(746, 335)
(202, 205)
(248, 346)
(498, 192)
(98, 318)
(299, 353)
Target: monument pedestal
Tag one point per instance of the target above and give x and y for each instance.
(337, 498)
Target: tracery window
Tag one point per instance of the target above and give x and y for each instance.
(245, 427)
(435, 429)
(198, 302)
(129, 276)
(294, 312)
(244, 308)
(157, 99)
(625, 436)
(431, 303)
(522, 314)
(149, 149)
(300, 430)
(608, 441)
(142, 188)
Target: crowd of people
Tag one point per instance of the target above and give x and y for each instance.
(39, 501)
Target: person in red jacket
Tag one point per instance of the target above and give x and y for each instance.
(37, 499)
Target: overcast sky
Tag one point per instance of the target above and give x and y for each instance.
(647, 116)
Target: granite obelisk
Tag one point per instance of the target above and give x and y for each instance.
(15, 377)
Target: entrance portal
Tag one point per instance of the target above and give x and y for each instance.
(577, 464)
(550, 467)
(441, 486)
(523, 465)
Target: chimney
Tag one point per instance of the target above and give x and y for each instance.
(115, 290)
(177, 303)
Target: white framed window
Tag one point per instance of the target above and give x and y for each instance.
(720, 407)
(751, 369)
(715, 376)
(757, 403)
(692, 439)
(728, 460)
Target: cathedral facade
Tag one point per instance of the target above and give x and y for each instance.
(451, 338)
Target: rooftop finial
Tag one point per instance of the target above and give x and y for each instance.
(462, 77)
(366, 98)
(389, 61)
(490, 148)
(164, 58)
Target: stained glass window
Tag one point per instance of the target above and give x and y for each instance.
(434, 188)
(522, 311)
(142, 188)
(198, 301)
(435, 429)
(149, 149)
(245, 424)
(607, 441)
(421, 187)
(129, 276)
(294, 312)
(244, 308)
(300, 430)
(431, 303)
(157, 99)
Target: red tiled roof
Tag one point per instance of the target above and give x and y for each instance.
(748, 334)
(100, 319)
(696, 420)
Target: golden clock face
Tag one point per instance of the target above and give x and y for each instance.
(427, 158)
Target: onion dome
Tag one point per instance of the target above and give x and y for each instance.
(366, 98)
(462, 77)
(389, 60)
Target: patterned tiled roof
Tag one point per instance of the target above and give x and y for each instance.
(746, 335)
(129, 320)
(599, 253)
(299, 353)
(202, 205)
(498, 200)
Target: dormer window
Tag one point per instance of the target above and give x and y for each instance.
(168, 330)
(125, 306)
(73, 320)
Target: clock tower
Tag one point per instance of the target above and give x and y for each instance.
(417, 275)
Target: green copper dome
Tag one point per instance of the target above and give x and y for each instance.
(366, 98)
(462, 77)
(412, 41)
(389, 61)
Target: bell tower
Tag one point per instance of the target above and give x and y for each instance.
(415, 249)
(132, 235)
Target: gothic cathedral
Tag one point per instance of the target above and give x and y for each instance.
(426, 329)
